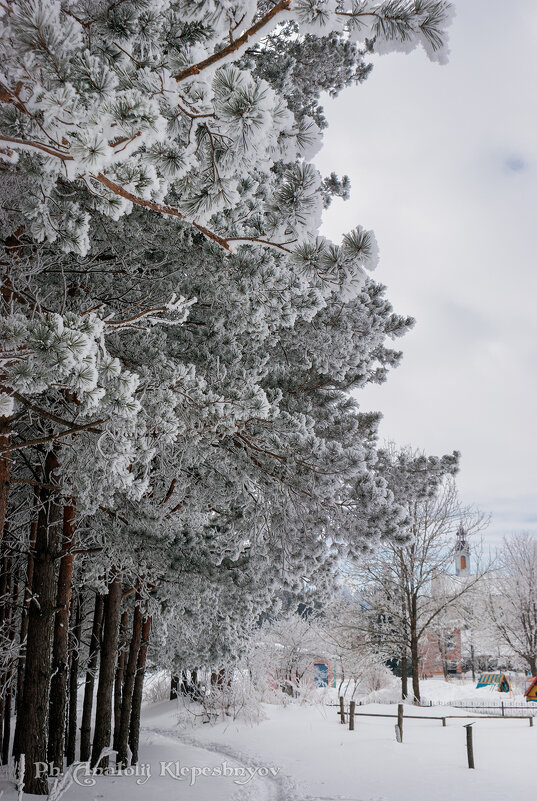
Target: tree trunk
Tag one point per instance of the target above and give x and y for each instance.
(174, 686)
(107, 669)
(134, 734)
(26, 604)
(5, 579)
(5, 470)
(442, 647)
(404, 675)
(472, 657)
(196, 689)
(32, 720)
(8, 704)
(120, 673)
(185, 687)
(7, 722)
(414, 654)
(95, 645)
(532, 662)
(60, 649)
(76, 633)
(128, 686)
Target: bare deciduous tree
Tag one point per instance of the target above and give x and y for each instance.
(512, 598)
(411, 588)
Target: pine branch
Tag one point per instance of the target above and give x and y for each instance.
(30, 483)
(235, 45)
(44, 413)
(38, 146)
(259, 241)
(47, 440)
(170, 492)
(162, 208)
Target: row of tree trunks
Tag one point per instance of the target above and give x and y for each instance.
(43, 679)
(121, 676)
(182, 684)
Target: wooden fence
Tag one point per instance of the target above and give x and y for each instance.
(400, 716)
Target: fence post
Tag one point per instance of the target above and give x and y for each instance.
(531, 720)
(470, 744)
(503, 711)
(443, 721)
(341, 709)
(351, 715)
(399, 727)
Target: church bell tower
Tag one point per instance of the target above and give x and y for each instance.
(462, 553)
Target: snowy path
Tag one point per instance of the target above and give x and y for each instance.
(171, 766)
(215, 744)
(271, 787)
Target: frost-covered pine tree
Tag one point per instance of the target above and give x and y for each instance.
(141, 104)
(178, 341)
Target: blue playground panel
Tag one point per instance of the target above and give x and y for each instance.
(320, 678)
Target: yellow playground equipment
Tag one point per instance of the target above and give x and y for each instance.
(531, 692)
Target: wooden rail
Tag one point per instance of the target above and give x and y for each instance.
(386, 715)
(444, 718)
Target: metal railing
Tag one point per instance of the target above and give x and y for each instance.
(503, 709)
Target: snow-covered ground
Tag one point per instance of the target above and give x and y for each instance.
(303, 753)
(326, 761)
(458, 690)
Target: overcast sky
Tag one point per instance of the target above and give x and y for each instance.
(443, 167)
